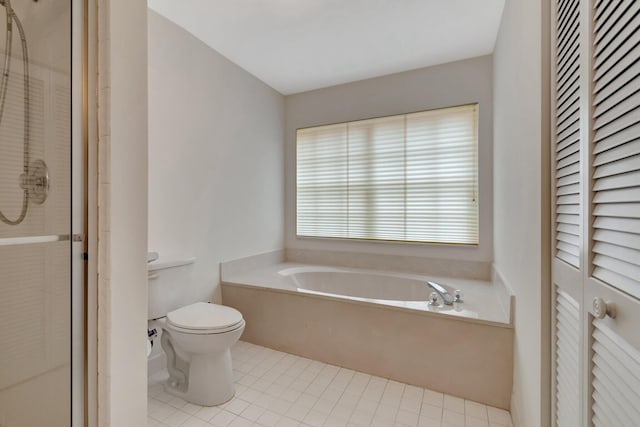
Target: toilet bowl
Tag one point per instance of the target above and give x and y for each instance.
(197, 341)
(196, 337)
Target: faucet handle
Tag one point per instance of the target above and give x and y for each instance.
(433, 299)
(458, 295)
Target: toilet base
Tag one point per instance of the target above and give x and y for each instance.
(210, 381)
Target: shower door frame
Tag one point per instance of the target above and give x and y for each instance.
(84, 224)
(78, 213)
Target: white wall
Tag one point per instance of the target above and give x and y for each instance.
(455, 83)
(123, 211)
(521, 196)
(215, 156)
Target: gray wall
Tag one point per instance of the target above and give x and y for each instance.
(215, 156)
(521, 196)
(455, 83)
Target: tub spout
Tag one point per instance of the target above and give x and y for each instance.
(447, 298)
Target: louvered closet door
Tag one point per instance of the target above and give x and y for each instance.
(613, 279)
(596, 265)
(567, 99)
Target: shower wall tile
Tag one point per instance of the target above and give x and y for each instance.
(58, 288)
(46, 25)
(11, 150)
(49, 140)
(22, 314)
(34, 310)
(58, 155)
(39, 401)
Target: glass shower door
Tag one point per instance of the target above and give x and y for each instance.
(36, 214)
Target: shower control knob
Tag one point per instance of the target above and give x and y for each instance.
(602, 308)
(433, 299)
(36, 181)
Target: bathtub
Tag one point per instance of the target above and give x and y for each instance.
(375, 287)
(481, 300)
(380, 322)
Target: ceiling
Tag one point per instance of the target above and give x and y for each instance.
(300, 45)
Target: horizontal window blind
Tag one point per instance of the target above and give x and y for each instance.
(411, 177)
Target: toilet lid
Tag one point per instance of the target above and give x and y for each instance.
(202, 315)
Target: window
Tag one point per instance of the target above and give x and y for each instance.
(411, 177)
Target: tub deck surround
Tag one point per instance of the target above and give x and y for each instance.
(467, 356)
(483, 301)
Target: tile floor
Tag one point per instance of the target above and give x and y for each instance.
(279, 389)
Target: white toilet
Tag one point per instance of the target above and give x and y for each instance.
(196, 336)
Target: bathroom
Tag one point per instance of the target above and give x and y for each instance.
(248, 116)
(229, 193)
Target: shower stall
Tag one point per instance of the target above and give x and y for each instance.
(42, 213)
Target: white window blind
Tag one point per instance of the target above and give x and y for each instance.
(411, 177)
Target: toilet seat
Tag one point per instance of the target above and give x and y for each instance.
(204, 318)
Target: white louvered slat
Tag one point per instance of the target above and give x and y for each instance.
(616, 126)
(616, 378)
(617, 153)
(569, 159)
(567, 132)
(567, 348)
(569, 229)
(568, 189)
(622, 27)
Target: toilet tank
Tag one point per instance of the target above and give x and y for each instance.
(170, 280)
